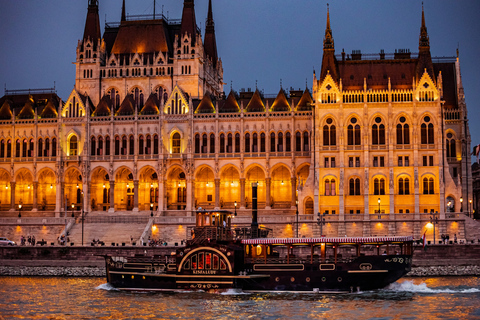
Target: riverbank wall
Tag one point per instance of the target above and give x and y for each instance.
(437, 260)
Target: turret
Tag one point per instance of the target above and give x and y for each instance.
(189, 23)
(424, 57)
(210, 40)
(92, 23)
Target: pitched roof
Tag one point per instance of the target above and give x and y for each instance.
(280, 103)
(6, 110)
(151, 105)
(189, 23)
(305, 103)
(92, 23)
(206, 105)
(50, 110)
(104, 107)
(256, 103)
(27, 111)
(126, 108)
(230, 105)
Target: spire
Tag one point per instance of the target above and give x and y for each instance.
(424, 62)
(92, 23)
(329, 62)
(124, 17)
(210, 40)
(424, 41)
(189, 24)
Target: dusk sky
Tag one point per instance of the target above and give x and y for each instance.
(262, 41)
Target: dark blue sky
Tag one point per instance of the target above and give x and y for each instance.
(262, 41)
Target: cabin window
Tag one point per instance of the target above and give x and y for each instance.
(187, 265)
(223, 266)
(215, 262)
(208, 261)
(194, 261)
(200, 261)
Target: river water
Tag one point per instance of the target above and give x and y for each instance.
(92, 298)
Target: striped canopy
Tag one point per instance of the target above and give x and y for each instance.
(327, 240)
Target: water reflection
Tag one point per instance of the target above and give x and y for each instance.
(91, 298)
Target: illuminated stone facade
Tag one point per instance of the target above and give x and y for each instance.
(148, 128)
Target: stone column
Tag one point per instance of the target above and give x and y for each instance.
(135, 196)
(217, 194)
(242, 193)
(294, 192)
(12, 196)
(85, 198)
(35, 196)
(165, 195)
(58, 199)
(267, 183)
(112, 196)
(160, 196)
(189, 195)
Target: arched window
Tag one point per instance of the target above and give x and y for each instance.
(212, 143)
(54, 147)
(124, 145)
(117, 145)
(100, 147)
(451, 147)
(329, 133)
(155, 144)
(2, 149)
(330, 187)
(107, 146)
(428, 186)
(17, 148)
(197, 143)
(237, 142)
(354, 186)
(176, 143)
(427, 132)
(288, 142)
(31, 148)
(204, 143)
(148, 149)
(222, 143)
(24, 148)
(403, 186)
(131, 146)
(280, 142)
(262, 142)
(40, 147)
(272, 142)
(305, 141)
(93, 146)
(298, 142)
(141, 143)
(9, 148)
(255, 142)
(73, 146)
(378, 132)
(403, 132)
(379, 186)
(46, 152)
(230, 143)
(247, 142)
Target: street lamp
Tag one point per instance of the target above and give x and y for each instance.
(83, 219)
(235, 208)
(296, 203)
(151, 209)
(321, 222)
(449, 206)
(379, 212)
(461, 204)
(73, 208)
(434, 221)
(20, 209)
(470, 207)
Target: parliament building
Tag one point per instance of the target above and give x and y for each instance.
(378, 145)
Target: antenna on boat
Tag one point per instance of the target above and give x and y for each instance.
(254, 210)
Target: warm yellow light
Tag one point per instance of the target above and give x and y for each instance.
(19, 206)
(6, 187)
(207, 184)
(28, 186)
(151, 185)
(128, 186)
(154, 227)
(51, 186)
(282, 182)
(77, 185)
(104, 186)
(73, 206)
(429, 225)
(461, 199)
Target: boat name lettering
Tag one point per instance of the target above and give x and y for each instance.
(204, 272)
(399, 260)
(204, 286)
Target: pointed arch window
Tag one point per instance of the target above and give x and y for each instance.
(9, 148)
(272, 142)
(262, 142)
(230, 143)
(46, 152)
(31, 148)
(254, 142)
(306, 144)
(117, 145)
(378, 132)
(222, 143)
(107, 146)
(298, 142)
(155, 144)
(92, 146)
(17, 148)
(148, 149)
(353, 133)
(204, 143)
(73, 145)
(2, 149)
(403, 186)
(329, 133)
(124, 145)
(197, 143)
(247, 142)
(54, 147)
(176, 143)
(427, 131)
(403, 134)
(237, 142)
(131, 145)
(141, 143)
(280, 142)
(451, 147)
(40, 147)
(288, 142)
(100, 147)
(24, 148)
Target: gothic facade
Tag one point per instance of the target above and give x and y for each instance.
(379, 144)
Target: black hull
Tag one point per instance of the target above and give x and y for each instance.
(363, 273)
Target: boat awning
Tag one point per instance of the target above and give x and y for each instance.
(327, 240)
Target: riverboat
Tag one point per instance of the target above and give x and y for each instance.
(220, 257)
